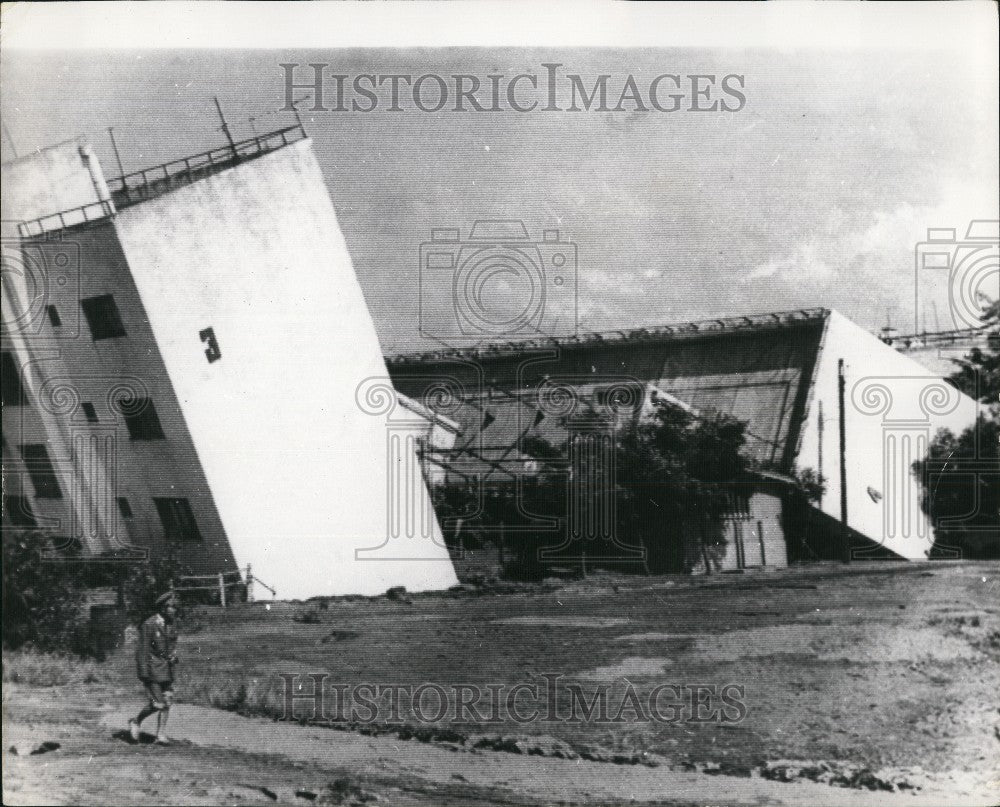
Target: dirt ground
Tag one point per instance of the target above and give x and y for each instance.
(863, 684)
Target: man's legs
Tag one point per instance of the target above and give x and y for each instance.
(161, 724)
(159, 702)
(166, 697)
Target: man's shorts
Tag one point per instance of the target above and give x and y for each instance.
(161, 693)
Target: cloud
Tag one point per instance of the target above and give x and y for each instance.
(878, 245)
(805, 263)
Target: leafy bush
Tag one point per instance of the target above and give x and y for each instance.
(42, 596)
(675, 475)
(959, 473)
(960, 491)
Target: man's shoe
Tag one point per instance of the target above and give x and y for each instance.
(133, 730)
(161, 740)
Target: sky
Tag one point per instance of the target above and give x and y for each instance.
(815, 193)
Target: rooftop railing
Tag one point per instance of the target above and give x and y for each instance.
(916, 341)
(95, 211)
(140, 186)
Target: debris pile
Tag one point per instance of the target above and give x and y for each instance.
(838, 774)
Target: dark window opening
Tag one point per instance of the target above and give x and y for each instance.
(10, 380)
(177, 519)
(124, 507)
(142, 420)
(17, 511)
(43, 475)
(103, 317)
(54, 316)
(89, 411)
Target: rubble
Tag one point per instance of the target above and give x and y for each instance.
(532, 745)
(839, 774)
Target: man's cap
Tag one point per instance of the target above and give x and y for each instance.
(166, 597)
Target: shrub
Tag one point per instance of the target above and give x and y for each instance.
(674, 473)
(959, 473)
(42, 596)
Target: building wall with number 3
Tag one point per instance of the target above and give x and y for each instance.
(272, 435)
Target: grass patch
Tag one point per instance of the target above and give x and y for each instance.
(310, 617)
(35, 668)
(246, 695)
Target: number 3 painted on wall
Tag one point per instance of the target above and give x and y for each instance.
(212, 352)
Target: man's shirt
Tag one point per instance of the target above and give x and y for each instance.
(157, 645)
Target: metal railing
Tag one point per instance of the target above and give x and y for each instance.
(140, 186)
(95, 211)
(915, 341)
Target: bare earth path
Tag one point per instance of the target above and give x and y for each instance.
(894, 666)
(549, 780)
(223, 758)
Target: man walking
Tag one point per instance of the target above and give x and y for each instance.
(155, 658)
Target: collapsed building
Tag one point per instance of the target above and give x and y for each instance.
(189, 368)
(183, 349)
(816, 392)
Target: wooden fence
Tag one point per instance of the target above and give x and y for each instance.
(223, 582)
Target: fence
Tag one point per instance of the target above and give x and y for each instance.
(150, 182)
(222, 583)
(66, 218)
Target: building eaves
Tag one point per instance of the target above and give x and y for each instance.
(778, 320)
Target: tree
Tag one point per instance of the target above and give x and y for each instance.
(978, 374)
(42, 595)
(961, 479)
(675, 473)
(961, 474)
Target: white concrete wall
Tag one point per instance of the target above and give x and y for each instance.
(894, 406)
(765, 515)
(305, 470)
(49, 181)
(37, 274)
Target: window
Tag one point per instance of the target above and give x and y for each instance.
(53, 316)
(43, 475)
(89, 411)
(102, 316)
(17, 511)
(124, 507)
(142, 420)
(10, 380)
(177, 518)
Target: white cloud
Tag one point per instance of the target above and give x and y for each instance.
(805, 263)
(841, 249)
